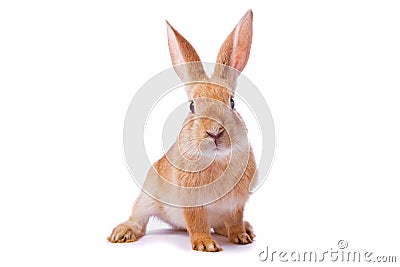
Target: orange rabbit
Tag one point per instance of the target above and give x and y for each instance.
(211, 158)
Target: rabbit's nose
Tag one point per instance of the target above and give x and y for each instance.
(215, 134)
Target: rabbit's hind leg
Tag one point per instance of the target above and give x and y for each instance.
(134, 228)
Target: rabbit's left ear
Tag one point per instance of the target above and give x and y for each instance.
(186, 62)
(235, 50)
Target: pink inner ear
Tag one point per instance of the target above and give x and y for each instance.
(174, 49)
(182, 52)
(242, 43)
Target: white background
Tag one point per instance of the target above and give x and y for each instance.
(68, 71)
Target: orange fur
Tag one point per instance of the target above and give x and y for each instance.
(195, 140)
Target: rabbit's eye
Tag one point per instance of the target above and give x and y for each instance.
(191, 106)
(232, 103)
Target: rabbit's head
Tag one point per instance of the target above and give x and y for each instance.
(213, 127)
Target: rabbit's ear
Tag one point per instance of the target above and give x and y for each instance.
(182, 52)
(235, 50)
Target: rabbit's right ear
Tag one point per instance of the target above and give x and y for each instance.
(182, 52)
(235, 50)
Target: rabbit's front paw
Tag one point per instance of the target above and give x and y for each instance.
(240, 238)
(207, 245)
(249, 230)
(123, 233)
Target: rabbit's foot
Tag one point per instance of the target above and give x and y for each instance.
(202, 242)
(126, 232)
(247, 226)
(206, 244)
(240, 238)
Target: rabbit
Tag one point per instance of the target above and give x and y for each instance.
(214, 140)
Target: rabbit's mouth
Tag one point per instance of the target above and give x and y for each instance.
(221, 149)
(219, 146)
(215, 148)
